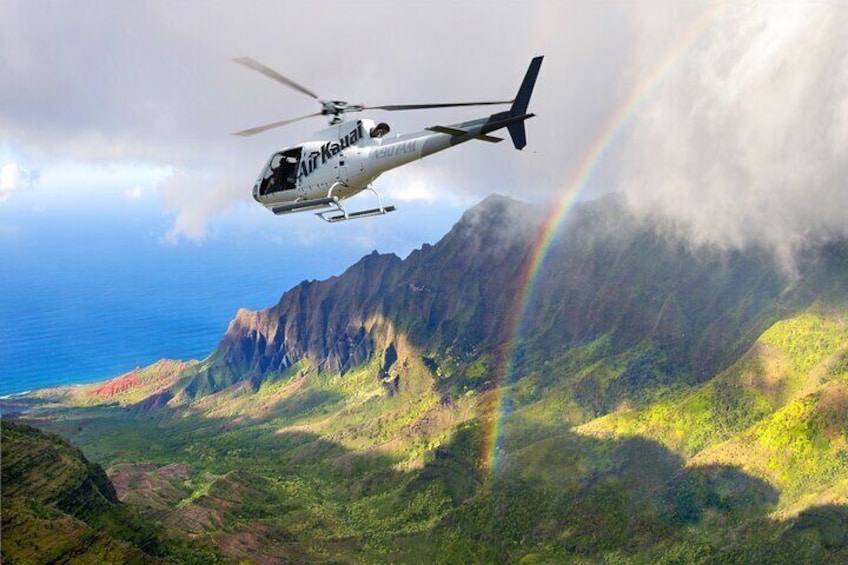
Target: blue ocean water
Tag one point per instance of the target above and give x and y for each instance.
(88, 296)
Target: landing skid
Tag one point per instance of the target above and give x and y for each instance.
(335, 207)
(345, 215)
(354, 215)
(305, 205)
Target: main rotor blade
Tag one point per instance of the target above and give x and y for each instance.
(271, 73)
(393, 107)
(260, 129)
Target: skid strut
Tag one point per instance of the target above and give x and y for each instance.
(345, 215)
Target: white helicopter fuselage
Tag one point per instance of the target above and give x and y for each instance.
(339, 161)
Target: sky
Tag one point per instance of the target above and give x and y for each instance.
(728, 120)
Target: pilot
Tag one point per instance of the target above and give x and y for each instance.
(380, 130)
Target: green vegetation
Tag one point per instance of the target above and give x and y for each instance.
(57, 506)
(657, 408)
(363, 467)
(792, 358)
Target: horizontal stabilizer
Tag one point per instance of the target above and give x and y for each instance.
(447, 130)
(489, 138)
(454, 132)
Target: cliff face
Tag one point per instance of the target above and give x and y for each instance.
(328, 320)
(604, 276)
(662, 403)
(455, 294)
(57, 505)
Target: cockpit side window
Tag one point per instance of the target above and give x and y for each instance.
(281, 173)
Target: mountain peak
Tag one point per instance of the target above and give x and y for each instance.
(494, 225)
(604, 275)
(495, 208)
(380, 384)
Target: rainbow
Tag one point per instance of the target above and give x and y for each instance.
(498, 404)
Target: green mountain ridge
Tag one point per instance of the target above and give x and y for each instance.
(662, 405)
(59, 507)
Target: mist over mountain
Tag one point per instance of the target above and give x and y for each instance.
(455, 294)
(635, 399)
(606, 274)
(744, 145)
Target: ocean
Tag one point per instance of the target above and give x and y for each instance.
(85, 297)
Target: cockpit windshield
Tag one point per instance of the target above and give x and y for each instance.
(281, 172)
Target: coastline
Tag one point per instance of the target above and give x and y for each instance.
(14, 394)
(47, 388)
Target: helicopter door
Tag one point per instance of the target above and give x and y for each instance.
(281, 173)
(288, 171)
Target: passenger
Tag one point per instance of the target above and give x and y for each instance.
(380, 130)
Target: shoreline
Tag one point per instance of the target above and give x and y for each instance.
(81, 382)
(11, 396)
(31, 393)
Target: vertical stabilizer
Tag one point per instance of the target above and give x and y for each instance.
(522, 100)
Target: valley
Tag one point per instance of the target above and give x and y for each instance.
(634, 401)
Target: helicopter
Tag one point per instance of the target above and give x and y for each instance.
(345, 158)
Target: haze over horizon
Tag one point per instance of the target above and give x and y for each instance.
(732, 120)
(727, 125)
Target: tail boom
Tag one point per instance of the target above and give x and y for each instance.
(438, 138)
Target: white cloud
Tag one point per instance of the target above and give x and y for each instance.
(162, 93)
(134, 193)
(417, 190)
(13, 178)
(744, 141)
(195, 197)
(427, 182)
(82, 183)
(10, 178)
